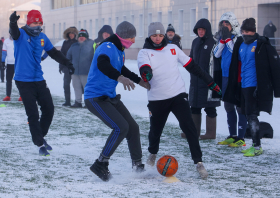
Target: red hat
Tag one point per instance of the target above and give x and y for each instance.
(34, 16)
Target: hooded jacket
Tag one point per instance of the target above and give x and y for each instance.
(215, 63)
(200, 53)
(267, 70)
(99, 39)
(68, 42)
(176, 40)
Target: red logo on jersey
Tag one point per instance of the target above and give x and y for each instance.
(42, 42)
(173, 51)
(152, 55)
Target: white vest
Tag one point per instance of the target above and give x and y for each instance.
(9, 47)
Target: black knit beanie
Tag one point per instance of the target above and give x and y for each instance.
(249, 24)
(170, 28)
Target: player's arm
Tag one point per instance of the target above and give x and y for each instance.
(60, 58)
(129, 74)
(104, 65)
(193, 68)
(14, 30)
(144, 66)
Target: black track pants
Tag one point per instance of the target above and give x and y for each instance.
(10, 71)
(179, 106)
(31, 93)
(116, 116)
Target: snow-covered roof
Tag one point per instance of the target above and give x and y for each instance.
(31, 5)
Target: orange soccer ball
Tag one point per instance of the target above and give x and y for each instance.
(167, 166)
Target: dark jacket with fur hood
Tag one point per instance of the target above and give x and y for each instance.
(268, 72)
(176, 40)
(67, 43)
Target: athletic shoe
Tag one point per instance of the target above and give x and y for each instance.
(252, 151)
(238, 143)
(201, 170)
(101, 170)
(139, 168)
(151, 159)
(77, 105)
(43, 151)
(19, 99)
(7, 98)
(227, 141)
(48, 147)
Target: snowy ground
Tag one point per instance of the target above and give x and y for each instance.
(77, 138)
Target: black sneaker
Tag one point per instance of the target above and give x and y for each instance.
(66, 104)
(139, 168)
(101, 170)
(77, 105)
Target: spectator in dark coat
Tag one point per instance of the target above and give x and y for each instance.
(253, 79)
(105, 32)
(70, 36)
(171, 37)
(81, 55)
(269, 30)
(198, 94)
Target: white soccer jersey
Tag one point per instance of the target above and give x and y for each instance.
(9, 47)
(167, 81)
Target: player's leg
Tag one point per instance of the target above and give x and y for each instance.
(158, 111)
(29, 94)
(45, 102)
(132, 137)
(105, 111)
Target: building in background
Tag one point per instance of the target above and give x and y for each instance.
(183, 14)
(21, 6)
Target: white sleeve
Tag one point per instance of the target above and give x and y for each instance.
(219, 49)
(183, 58)
(229, 44)
(143, 58)
(4, 46)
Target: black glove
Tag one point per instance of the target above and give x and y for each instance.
(71, 68)
(147, 76)
(3, 66)
(213, 86)
(14, 18)
(225, 33)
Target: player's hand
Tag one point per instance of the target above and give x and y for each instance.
(145, 84)
(70, 68)
(14, 18)
(213, 86)
(127, 84)
(225, 33)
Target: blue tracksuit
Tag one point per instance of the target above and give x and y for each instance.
(28, 51)
(99, 84)
(248, 64)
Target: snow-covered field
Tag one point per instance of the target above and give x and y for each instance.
(77, 138)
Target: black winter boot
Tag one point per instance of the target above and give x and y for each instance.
(138, 166)
(101, 170)
(77, 105)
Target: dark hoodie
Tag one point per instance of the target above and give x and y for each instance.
(268, 72)
(201, 52)
(99, 39)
